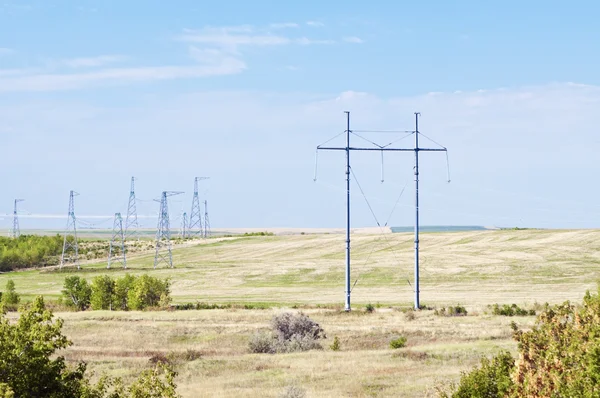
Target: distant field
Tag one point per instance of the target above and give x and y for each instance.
(474, 268)
(471, 268)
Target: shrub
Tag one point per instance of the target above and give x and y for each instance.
(370, 308)
(103, 293)
(410, 315)
(10, 298)
(288, 324)
(147, 291)
(122, 287)
(511, 310)
(452, 311)
(400, 342)
(77, 292)
(336, 344)
(262, 343)
(290, 333)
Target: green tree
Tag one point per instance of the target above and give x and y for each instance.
(103, 293)
(558, 357)
(77, 292)
(122, 287)
(148, 291)
(30, 366)
(10, 297)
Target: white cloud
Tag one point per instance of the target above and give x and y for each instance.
(315, 24)
(92, 61)
(284, 25)
(225, 37)
(306, 42)
(212, 65)
(353, 39)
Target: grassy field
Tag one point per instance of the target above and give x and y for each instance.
(473, 269)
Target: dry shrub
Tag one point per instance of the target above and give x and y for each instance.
(290, 333)
(293, 392)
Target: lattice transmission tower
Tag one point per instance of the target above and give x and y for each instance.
(16, 231)
(183, 232)
(70, 239)
(131, 221)
(116, 251)
(163, 232)
(206, 220)
(195, 225)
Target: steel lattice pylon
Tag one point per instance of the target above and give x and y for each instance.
(206, 220)
(183, 233)
(70, 241)
(163, 232)
(195, 225)
(16, 231)
(131, 221)
(116, 252)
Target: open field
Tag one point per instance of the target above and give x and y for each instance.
(469, 268)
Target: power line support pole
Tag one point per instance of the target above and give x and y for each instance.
(382, 148)
(184, 226)
(163, 232)
(117, 243)
(131, 221)
(206, 220)
(195, 225)
(16, 231)
(71, 226)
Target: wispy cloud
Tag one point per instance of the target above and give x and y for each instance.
(6, 51)
(284, 25)
(88, 62)
(353, 39)
(315, 24)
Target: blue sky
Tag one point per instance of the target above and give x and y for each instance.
(93, 92)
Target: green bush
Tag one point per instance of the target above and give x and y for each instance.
(511, 310)
(28, 251)
(122, 287)
(77, 292)
(370, 308)
(336, 344)
(148, 291)
(491, 379)
(456, 310)
(400, 342)
(10, 299)
(558, 357)
(103, 293)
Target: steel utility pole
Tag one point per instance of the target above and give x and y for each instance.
(382, 148)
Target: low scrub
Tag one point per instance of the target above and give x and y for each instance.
(511, 310)
(400, 342)
(456, 310)
(290, 332)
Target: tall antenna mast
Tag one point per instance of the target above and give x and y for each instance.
(195, 225)
(70, 241)
(207, 231)
(116, 251)
(163, 232)
(382, 148)
(16, 231)
(131, 221)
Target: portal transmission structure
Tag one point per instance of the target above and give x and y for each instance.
(116, 251)
(131, 221)
(384, 148)
(16, 231)
(163, 232)
(195, 227)
(70, 251)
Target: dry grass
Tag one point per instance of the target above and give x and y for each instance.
(438, 349)
(209, 347)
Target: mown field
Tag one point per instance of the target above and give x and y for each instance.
(473, 269)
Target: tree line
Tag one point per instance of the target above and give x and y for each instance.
(28, 251)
